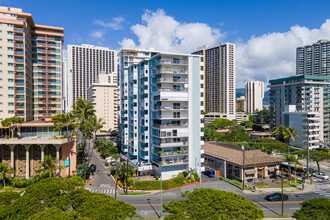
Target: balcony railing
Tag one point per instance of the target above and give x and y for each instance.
(170, 125)
(171, 90)
(19, 53)
(169, 80)
(171, 61)
(164, 108)
(18, 29)
(171, 71)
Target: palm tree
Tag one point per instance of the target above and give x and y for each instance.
(49, 166)
(5, 173)
(290, 134)
(280, 132)
(63, 121)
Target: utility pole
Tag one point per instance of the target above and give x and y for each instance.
(243, 167)
(282, 194)
(116, 183)
(128, 145)
(307, 148)
(161, 192)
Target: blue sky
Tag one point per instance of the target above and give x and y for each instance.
(266, 32)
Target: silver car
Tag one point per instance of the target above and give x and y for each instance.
(321, 176)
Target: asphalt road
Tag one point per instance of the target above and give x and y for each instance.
(148, 206)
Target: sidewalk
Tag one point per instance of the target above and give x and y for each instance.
(307, 188)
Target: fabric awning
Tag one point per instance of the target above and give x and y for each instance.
(271, 169)
(249, 172)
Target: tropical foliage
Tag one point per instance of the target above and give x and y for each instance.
(5, 173)
(55, 198)
(8, 123)
(49, 166)
(260, 117)
(105, 147)
(207, 203)
(318, 208)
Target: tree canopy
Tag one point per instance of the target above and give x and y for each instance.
(318, 208)
(223, 123)
(6, 122)
(207, 203)
(60, 198)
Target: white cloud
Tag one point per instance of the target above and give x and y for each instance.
(97, 35)
(264, 57)
(273, 55)
(164, 33)
(115, 24)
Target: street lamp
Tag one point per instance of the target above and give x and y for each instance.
(243, 149)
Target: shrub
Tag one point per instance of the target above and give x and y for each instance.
(75, 180)
(21, 183)
(185, 173)
(6, 198)
(318, 208)
(106, 164)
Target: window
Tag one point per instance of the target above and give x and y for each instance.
(10, 104)
(10, 112)
(10, 88)
(176, 114)
(10, 80)
(10, 64)
(10, 96)
(10, 48)
(10, 72)
(10, 41)
(10, 32)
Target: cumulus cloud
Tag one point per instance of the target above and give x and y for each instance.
(114, 24)
(273, 55)
(164, 33)
(269, 56)
(97, 35)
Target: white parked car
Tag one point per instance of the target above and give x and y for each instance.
(321, 176)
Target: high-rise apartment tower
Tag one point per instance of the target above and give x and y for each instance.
(254, 95)
(219, 79)
(31, 67)
(85, 63)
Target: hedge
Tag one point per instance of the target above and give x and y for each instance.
(155, 184)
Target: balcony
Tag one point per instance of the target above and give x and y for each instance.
(170, 71)
(171, 161)
(160, 89)
(171, 144)
(19, 46)
(170, 125)
(19, 69)
(170, 80)
(18, 30)
(19, 53)
(20, 61)
(171, 62)
(19, 37)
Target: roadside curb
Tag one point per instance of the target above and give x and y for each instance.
(232, 184)
(188, 184)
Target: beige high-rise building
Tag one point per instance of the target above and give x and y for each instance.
(104, 94)
(30, 66)
(241, 104)
(219, 79)
(84, 64)
(254, 91)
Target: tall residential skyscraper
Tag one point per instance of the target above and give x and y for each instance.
(254, 95)
(85, 63)
(219, 79)
(164, 108)
(105, 98)
(31, 66)
(314, 59)
(126, 57)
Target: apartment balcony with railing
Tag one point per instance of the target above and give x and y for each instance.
(167, 89)
(178, 80)
(170, 71)
(163, 161)
(170, 61)
(171, 124)
(17, 29)
(170, 142)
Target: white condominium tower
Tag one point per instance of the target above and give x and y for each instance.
(164, 108)
(30, 67)
(84, 64)
(254, 95)
(314, 59)
(126, 57)
(219, 79)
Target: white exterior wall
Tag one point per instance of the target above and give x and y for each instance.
(254, 95)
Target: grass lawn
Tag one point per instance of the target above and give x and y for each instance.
(265, 185)
(134, 193)
(279, 186)
(236, 182)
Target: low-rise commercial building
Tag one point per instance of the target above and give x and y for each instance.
(232, 161)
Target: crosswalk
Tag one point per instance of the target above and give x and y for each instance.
(104, 189)
(323, 189)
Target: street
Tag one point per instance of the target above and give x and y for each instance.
(148, 206)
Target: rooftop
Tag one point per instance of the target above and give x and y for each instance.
(234, 154)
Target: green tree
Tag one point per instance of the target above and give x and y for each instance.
(209, 134)
(8, 122)
(318, 156)
(291, 134)
(55, 198)
(63, 121)
(49, 166)
(207, 203)
(5, 173)
(247, 124)
(280, 133)
(318, 208)
(223, 123)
